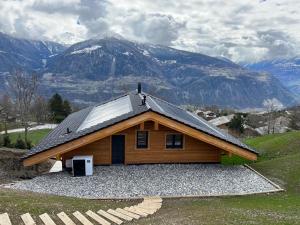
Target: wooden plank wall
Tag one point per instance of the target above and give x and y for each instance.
(101, 150)
(193, 149)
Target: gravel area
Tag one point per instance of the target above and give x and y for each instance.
(151, 180)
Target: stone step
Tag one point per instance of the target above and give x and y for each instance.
(27, 219)
(4, 219)
(136, 211)
(46, 219)
(133, 215)
(82, 218)
(65, 218)
(110, 217)
(97, 218)
(120, 215)
(148, 211)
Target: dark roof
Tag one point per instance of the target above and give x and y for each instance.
(75, 120)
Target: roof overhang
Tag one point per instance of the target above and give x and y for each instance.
(133, 121)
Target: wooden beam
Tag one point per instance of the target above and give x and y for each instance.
(137, 120)
(203, 137)
(142, 126)
(156, 125)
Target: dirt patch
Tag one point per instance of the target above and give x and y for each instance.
(12, 169)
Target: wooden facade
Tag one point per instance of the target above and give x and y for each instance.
(198, 146)
(193, 150)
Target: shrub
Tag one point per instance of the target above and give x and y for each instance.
(6, 141)
(29, 144)
(20, 143)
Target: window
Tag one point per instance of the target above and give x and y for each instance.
(174, 141)
(142, 139)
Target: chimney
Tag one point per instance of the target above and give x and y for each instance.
(139, 88)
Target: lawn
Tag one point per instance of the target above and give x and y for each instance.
(279, 160)
(34, 136)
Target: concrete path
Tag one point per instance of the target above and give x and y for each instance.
(38, 127)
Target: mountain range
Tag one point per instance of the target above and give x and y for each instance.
(285, 70)
(95, 70)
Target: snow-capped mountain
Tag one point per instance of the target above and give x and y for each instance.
(26, 54)
(286, 70)
(95, 70)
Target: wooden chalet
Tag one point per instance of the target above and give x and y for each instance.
(137, 128)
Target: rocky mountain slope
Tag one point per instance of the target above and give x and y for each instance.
(95, 70)
(26, 54)
(286, 70)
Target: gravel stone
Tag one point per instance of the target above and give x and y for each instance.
(119, 181)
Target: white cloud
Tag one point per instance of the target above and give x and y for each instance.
(249, 30)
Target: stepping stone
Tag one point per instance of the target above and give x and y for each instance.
(133, 215)
(120, 215)
(110, 217)
(82, 218)
(136, 211)
(65, 218)
(4, 219)
(47, 219)
(150, 207)
(97, 218)
(148, 211)
(27, 219)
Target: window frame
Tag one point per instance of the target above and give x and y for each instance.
(136, 140)
(174, 147)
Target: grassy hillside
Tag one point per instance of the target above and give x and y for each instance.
(280, 158)
(276, 145)
(34, 136)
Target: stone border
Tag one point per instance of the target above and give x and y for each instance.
(267, 179)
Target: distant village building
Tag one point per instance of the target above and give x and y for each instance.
(222, 122)
(208, 115)
(281, 125)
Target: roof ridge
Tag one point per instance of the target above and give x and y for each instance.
(166, 102)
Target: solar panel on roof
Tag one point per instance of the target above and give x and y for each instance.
(107, 112)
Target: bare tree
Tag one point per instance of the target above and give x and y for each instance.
(272, 106)
(6, 110)
(40, 109)
(23, 87)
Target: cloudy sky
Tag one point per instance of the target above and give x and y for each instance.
(241, 30)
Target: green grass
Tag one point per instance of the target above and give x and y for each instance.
(279, 159)
(276, 145)
(234, 160)
(34, 136)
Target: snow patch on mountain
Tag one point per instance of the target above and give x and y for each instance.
(88, 50)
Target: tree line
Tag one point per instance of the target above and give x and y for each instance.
(23, 105)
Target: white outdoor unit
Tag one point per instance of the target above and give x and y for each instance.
(82, 165)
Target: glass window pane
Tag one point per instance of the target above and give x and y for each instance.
(169, 140)
(174, 141)
(178, 140)
(142, 139)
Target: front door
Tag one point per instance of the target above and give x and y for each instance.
(118, 149)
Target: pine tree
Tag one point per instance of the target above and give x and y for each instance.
(59, 108)
(66, 108)
(237, 123)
